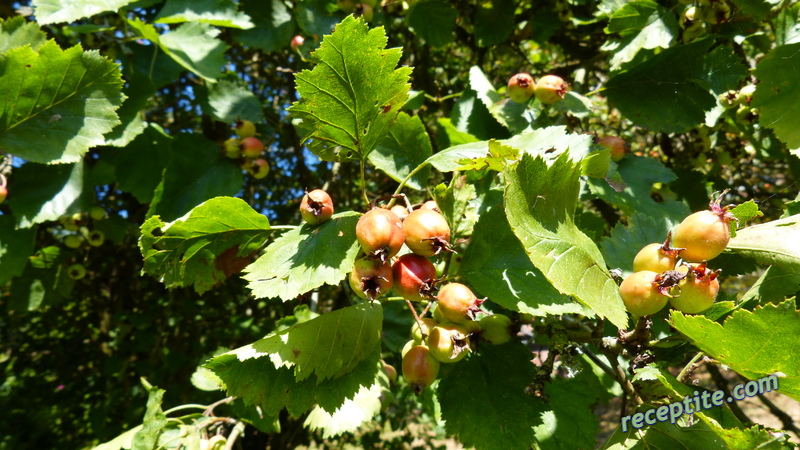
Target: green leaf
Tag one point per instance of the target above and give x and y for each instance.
(251, 374)
(347, 418)
(17, 32)
(774, 286)
(663, 93)
(315, 18)
(498, 413)
(454, 136)
(509, 113)
(631, 18)
(37, 288)
(139, 90)
(776, 242)
(139, 166)
(499, 156)
(540, 204)
(406, 147)
(154, 420)
(756, 8)
(778, 94)
(213, 241)
(193, 45)
(353, 95)
(787, 26)
(43, 193)
(15, 248)
(643, 25)
(571, 402)
(229, 99)
(639, 173)
(508, 277)
(123, 441)
(274, 26)
(196, 173)
(723, 70)
(221, 13)
(494, 21)
(58, 11)
(754, 344)
(469, 115)
(433, 21)
(305, 258)
(626, 240)
(58, 103)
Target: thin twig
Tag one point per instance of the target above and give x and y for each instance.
(690, 367)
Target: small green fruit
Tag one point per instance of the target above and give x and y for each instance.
(496, 329)
(97, 213)
(76, 271)
(73, 241)
(550, 89)
(245, 129)
(96, 238)
(232, 148)
(520, 87)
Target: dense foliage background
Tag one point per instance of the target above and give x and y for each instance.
(126, 105)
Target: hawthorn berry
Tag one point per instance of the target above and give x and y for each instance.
(719, 12)
(704, 234)
(641, 294)
(420, 368)
(316, 207)
(496, 329)
(431, 204)
(656, 257)
(259, 169)
(97, 213)
(619, 147)
(745, 94)
(697, 290)
(232, 148)
(297, 42)
(448, 342)
(244, 129)
(364, 10)
(426, 232)
(96, 238)
(370, 279)
(427, 325)
(3, 193)
(457, 303)
(413, 277)
(520, 87)
(391, 372)
(691, 18)
(380, 233)
(550, 89)
(73, 240)
(251, 147)
(76, 271)
(400, 211)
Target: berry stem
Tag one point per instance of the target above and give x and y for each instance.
(416, 317)
(364, 184)
(690, 367)
(409, 176)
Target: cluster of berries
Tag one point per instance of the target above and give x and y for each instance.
(78, 234)
(548, 90)
(247, 149)
(676, 271)
(454, 329)
(695, 18)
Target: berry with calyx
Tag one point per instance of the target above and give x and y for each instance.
(728, 99)
(73, 240)
(427, 325)
(97, 213)
(413, 277)
(697, 290)
(457, 303)
(745, 94)
(3, 193)
(297, 42)
(550, 89)
(232, 148)
(642, 294)
(76, 271)
(409, 345)
(691, 34)
(619, 147)
(96, 238)
(520, 87)
(431, 204)
(370, 279)
(244, 129)
(427, 232)
(691, 18)
(365, 11)
(496, 329)
(448, 342)
(251, 147)
(259, 168)
(380, 233)
(420, 368)
(316, 207)
(704, 234)
(400, 211)
(657, 257)
(719, 12)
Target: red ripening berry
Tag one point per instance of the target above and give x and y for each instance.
(550, 89)
(316, 207)
(413, 277)
(427, 232)
(520, 87)
(370, 279)
(457, 303)
(420, 368)
(641, 294)
(380, 233)
(704, 234)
